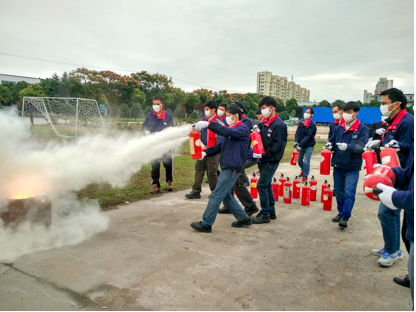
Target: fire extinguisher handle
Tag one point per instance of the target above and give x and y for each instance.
(377, 191)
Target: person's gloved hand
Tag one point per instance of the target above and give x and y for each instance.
(203, 154)
(386, 196)
(201, 125)
(373, 144)
(298, 148)
(256, 155)
(342, 146)
(380, 131)
(147, 132)
(328, 146)
(393, 144)
(256, 128)
(295, 144)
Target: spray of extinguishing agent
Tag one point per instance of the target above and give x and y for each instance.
(287, 192)
(314, 188)
(296, 188)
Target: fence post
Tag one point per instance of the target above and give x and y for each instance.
(76, 120)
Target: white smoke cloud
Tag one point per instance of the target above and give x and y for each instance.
(29, 169)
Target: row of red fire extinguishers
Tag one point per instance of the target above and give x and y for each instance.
(286, 189)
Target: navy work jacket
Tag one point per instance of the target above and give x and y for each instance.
(305, 133)
(153, 123)
(274, 137)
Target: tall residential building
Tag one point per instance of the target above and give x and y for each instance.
(276, 86)
(382, 84)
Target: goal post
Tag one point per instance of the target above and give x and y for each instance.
(63, 117)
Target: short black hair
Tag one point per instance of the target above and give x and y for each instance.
(223, 105)
(352, 105)
(211, 105)
(339, 107)
(395, 95)
(310, 109)
(258, 112)
(269, 101)
(157, 97)
(234, 109)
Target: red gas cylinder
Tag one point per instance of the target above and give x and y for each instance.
(389, 157)
(281, 181)
(328, 194)
(306, 195)
(256, 141)
(253, 189)
(296, 188)
(295, 156)
(287, 192)
(275, 189)
(314, 188)
(370, 159)
(325, 162)
(383, 175)
(195, 144)
(324, 186)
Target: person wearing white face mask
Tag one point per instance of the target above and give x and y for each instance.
(208, 164)
(348, 142)
(305, 135)
(221, 111)
(337, 112)
(156, 121)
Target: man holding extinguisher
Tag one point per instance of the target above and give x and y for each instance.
(348, 143)
(274, 137)
(398, 135)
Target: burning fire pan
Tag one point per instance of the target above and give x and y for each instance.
(32, 209)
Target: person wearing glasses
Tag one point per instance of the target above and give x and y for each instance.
(398, 135)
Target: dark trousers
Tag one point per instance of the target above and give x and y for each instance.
(404, 228)
(210, 165)
(345, 187)
(167, 161)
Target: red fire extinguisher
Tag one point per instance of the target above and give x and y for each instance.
(306, 195)
(389, 157)
(324, 186)
(256, 142)
(370, 159)
(295, 156)
(325, 162)
(275, 189)
(195, 144)
(296, 188)
(314, 188)
(287, 192)
(253, 189)
(384, 175)
(282, 180)
(328, 194)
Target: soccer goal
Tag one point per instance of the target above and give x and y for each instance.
(63, 117)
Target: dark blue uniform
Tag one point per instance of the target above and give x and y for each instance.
(305, 133)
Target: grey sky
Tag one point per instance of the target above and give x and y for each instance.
(335, 48)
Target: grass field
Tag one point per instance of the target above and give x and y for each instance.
(140, 183)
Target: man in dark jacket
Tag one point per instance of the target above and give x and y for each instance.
(274, 137)
(376, 131)
(348, 143)
(156, 121)
(305, 142)
(233, 148)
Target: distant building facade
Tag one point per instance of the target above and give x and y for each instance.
(280, 87)
(14, 79)
(382, 84)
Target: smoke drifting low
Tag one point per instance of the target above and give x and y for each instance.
(31, 169)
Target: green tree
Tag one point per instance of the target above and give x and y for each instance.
(6, 95)
(280, 107)
(194, 116)
(360, 103)
(410, 110)
(284, 115)
(136, 111)
(177, 113)
(338, 102)
(102, 99)
(169, 110)
(324, 103)
(51, 86)
(374, 103)
(191, 100)
(32, 90)
(293, 113)
(124, 111)
(251, 114)
(147, 110)
(112, 110)
(138, 97)
(291, 105)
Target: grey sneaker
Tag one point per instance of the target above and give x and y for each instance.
(377, 252)
(387, 259)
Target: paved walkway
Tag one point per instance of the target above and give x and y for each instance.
(151, 259)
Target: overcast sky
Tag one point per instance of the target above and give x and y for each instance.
(334, 48)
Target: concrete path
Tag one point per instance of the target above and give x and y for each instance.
(151, 259)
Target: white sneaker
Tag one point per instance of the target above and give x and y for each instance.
(387, 259)
(377, 252)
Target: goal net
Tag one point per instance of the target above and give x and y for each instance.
(64, 117)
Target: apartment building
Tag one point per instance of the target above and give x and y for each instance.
(381, 85)
(280, 87)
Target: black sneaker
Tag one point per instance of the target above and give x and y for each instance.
(343, 222)
(273, 215)
(261, 218)
(336, 219)
(405, 282)
(224, 210)
(198, 226)
(246, 222)
(251, 211)
(193, 195)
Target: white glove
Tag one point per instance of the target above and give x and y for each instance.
(342, 146)
(147, 132)
(380, 131)
(295, 144)
(201, 125)
(256, 155)
(328, 146)
(298, 148)
(203, 154)
(393, 144)
(373, 144)
(256, 128)
(386, 196)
